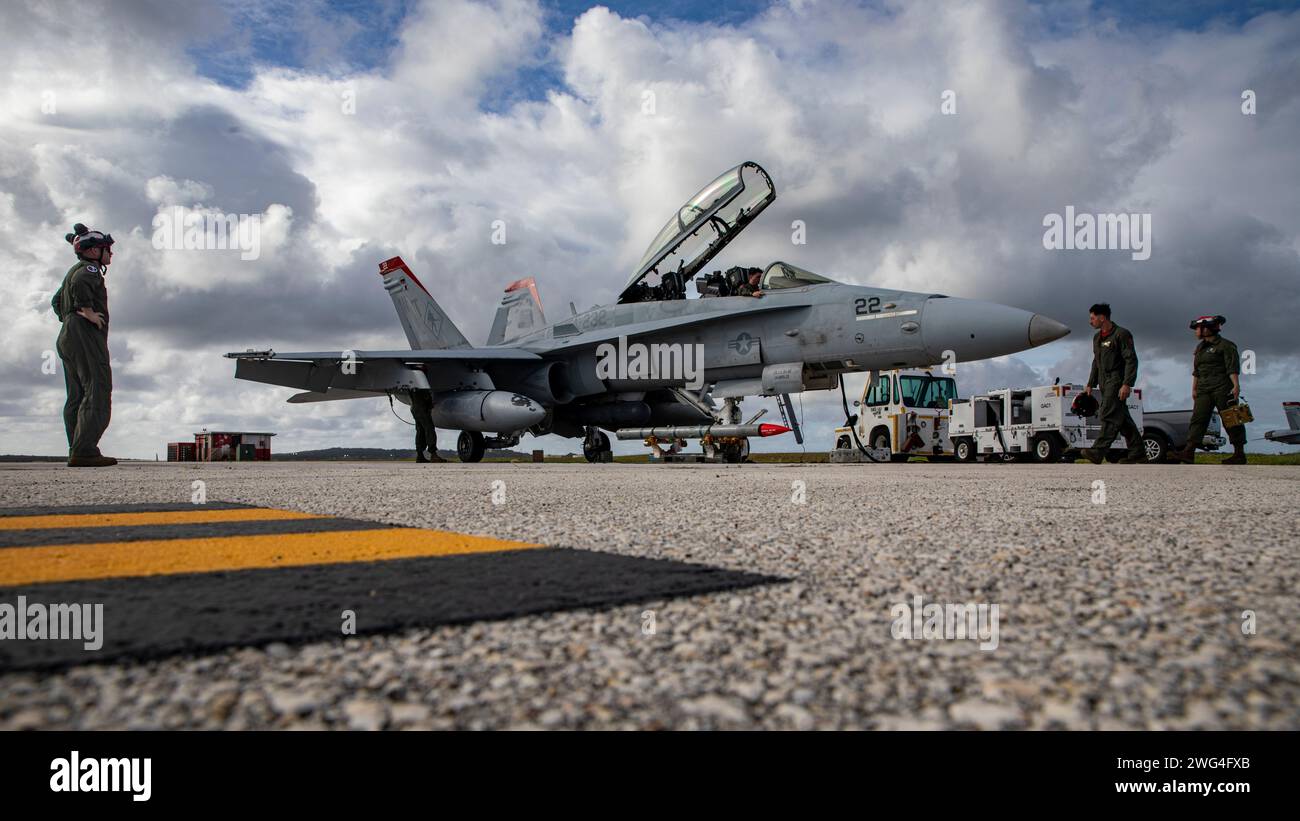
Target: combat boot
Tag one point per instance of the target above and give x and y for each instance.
(434, 457)
(91, 461)
(1093, 455)
(1238, 456)
(1134, 458)
(1186, 455)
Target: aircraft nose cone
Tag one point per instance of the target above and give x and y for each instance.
(1044, 329)
(970, 329)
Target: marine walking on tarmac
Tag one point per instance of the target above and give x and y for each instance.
(1114, 370)
(81, 304)
(1216, 385)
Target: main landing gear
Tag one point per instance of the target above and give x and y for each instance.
(470, 446)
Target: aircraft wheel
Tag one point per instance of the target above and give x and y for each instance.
(738, 452)
(1046, 448)
(963, 450)
(593, 452)
(469, 446)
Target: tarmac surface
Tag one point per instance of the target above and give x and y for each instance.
(1164, 600)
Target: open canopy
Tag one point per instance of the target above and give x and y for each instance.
(703, 226)
(784, 275)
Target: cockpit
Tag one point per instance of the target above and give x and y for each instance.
(741, 281)
(698, 231)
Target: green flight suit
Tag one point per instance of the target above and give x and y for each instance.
(83, 348)
(1213, 364)
(426, 435)
(1115, 364)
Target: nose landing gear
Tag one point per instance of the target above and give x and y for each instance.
(595, 446)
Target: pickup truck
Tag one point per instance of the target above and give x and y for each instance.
(1166, 431)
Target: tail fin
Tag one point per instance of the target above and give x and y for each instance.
(1292, 414)
(520, 312)
(426, 324)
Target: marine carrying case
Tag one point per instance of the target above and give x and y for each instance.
(1234, 415)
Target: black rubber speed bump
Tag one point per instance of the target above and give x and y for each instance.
(196, 578)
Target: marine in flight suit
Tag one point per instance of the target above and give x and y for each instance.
(81, 304)
(1114, 370)
(1216, 369)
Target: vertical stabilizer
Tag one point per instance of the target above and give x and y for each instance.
(426, 325)
(520, 313)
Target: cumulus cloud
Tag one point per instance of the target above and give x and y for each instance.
(581, 140)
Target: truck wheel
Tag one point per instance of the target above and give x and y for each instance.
(963, 450)
(1155, 447)
(1046, 448)
(469, 446)
(880, 439)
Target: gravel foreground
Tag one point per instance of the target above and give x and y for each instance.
(1126, 614)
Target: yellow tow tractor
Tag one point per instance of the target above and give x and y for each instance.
(901, 413)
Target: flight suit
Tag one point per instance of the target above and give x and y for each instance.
(426, 436)
(1115, 364)
(1213, 364)
(83, 348)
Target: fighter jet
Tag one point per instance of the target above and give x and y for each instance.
(656, 361)
(1291, 434)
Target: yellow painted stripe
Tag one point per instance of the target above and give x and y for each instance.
(108, 560)
(169, 517)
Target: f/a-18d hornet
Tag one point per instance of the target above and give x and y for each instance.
(655, 363)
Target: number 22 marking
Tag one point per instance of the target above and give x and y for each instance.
(864, 305)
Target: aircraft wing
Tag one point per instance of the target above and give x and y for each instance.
(331, 395)
(327, 375)
(1286, 437)
(413, 357)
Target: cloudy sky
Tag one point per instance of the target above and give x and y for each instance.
(357, 131)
